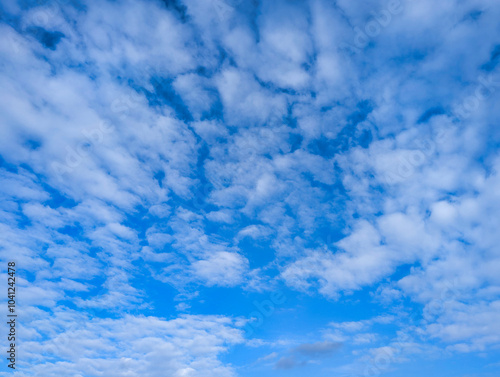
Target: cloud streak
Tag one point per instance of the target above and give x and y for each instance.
(166, 165)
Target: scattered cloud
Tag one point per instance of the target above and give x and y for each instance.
(162, 162)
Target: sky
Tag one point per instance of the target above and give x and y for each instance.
(251, 188)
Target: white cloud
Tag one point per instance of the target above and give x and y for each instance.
(221, 268)
(256, 114)
(130, 346)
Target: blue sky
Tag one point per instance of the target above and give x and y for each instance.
(240, 188)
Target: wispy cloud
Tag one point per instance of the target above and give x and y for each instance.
(203, 157)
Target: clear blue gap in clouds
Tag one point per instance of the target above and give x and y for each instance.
(240, 188)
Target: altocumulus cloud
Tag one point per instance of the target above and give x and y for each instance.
(166, 164)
